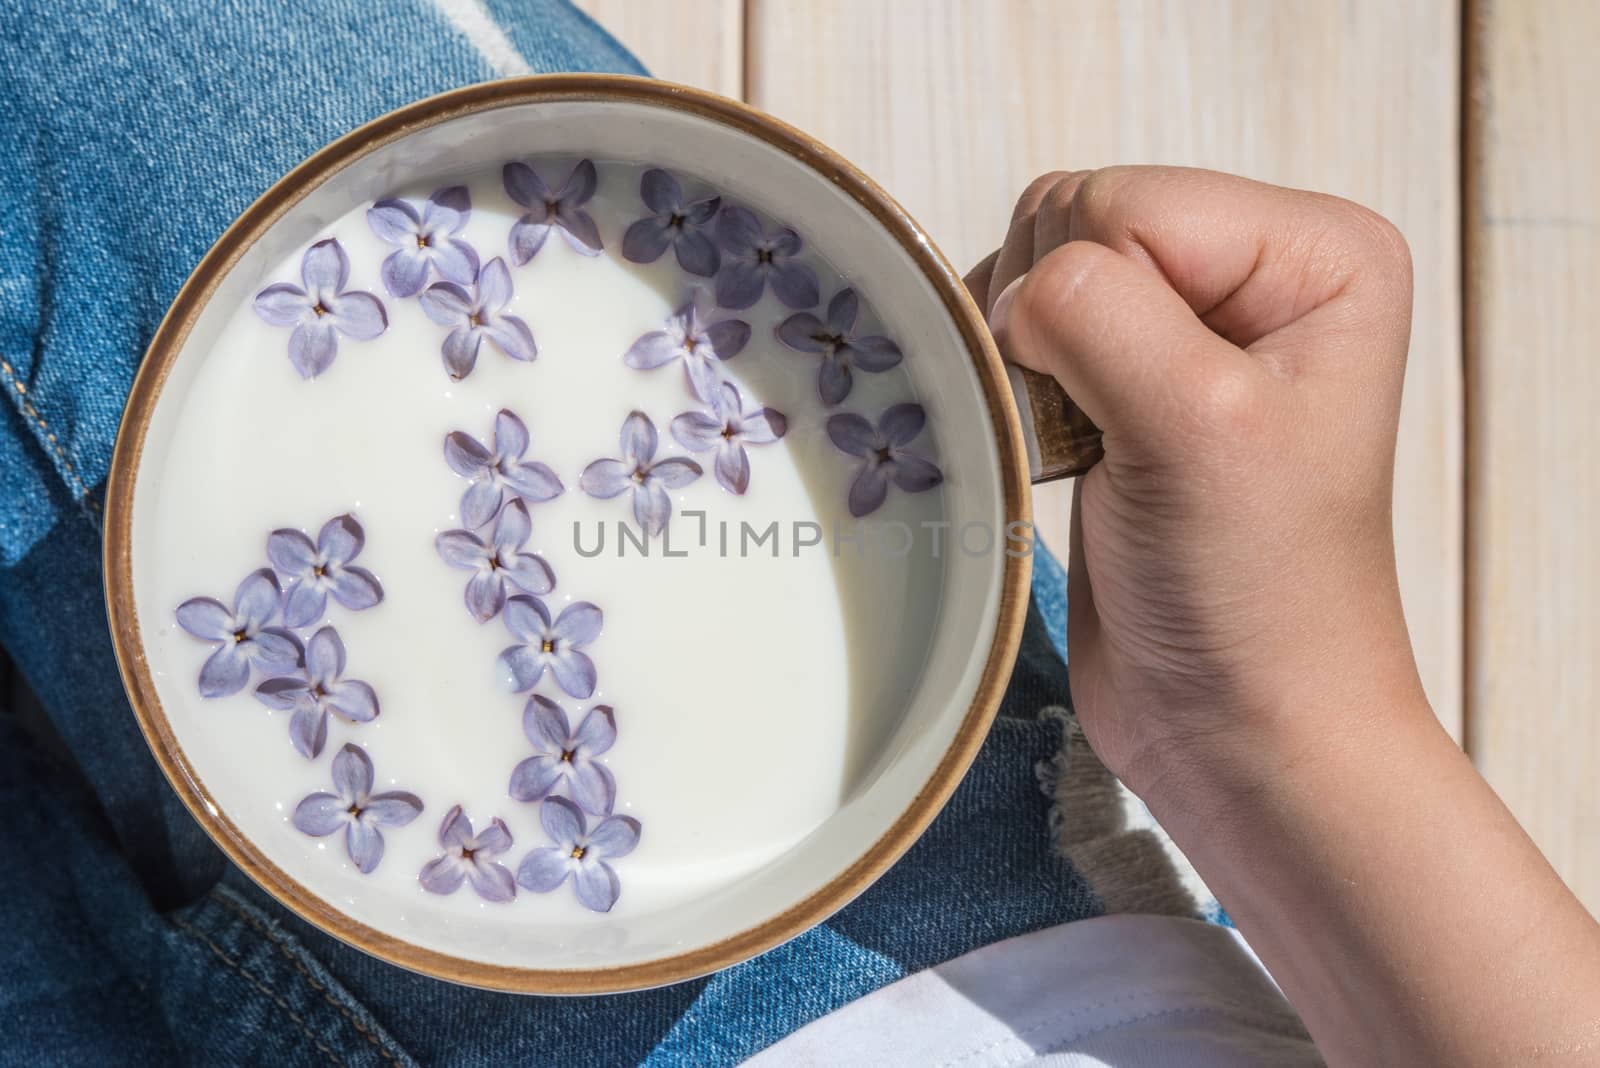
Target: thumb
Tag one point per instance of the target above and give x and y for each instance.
(1125, 346)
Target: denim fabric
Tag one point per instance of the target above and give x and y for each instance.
(1050, 599)
(134, 134)
(133, 139)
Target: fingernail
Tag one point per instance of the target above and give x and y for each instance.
(1002, 310)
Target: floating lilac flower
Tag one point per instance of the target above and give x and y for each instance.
(561, 210)
(673, 224)
(467, 858)
(242, 635)
(728, 428)
(557, 646)
(497, 563)
(427, 240)
(882, 450)
(356, 809)
(841, 351)
(321, 310)
(566, 756)
(315, 571)
(319, 689)
(579, 853)
(476, 317)
(635, 472)
(751, 258)
(493, 474)
(699, 344)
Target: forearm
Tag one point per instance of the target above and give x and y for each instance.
(1239, 653)
(1395, 899)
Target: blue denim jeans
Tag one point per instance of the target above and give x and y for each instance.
(132, 139)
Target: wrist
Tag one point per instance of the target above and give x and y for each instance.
(1296, 742)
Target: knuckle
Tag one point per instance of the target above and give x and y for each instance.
(1101, 191)
(1109, 204)
(1036, 191)
(1386, 241)
(1061, 196)
(1224, 399)
(1058, 213)
(1372, 236)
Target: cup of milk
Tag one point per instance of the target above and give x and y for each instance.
(571, 534)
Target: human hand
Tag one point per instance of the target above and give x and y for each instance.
(1242, 346)
(1239, 656)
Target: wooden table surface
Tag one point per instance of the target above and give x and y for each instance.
(1476, 132)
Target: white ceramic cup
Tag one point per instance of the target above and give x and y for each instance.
(957, 374)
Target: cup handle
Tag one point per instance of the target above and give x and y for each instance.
(1061, 441)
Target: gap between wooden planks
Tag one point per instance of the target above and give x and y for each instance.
(1533, 372)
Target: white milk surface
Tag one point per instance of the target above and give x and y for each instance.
(751, 693)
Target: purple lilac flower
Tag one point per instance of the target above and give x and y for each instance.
(751, 258)
(494, 474)
(476, 317)
(315, 571)
(883, 454)
(321, 309)
(635, 473)
(356, 808)
(728, 428)
(242, 635)
(673, 224)
(554, 645)
(699, 344)
(467, 858)
(561, 209)
(841, 351)
(499, 562)
(566, 756)
(579, 853)
(427, 240)
(319, 689)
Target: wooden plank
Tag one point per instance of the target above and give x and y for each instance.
(1533, 373)
(692, 42)
(955, 104)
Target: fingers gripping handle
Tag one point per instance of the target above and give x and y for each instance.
(1061, 441)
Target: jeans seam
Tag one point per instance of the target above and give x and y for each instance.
(234, 965)
(28, 409)
(293, 958)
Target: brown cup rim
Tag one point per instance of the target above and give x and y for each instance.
(168, 342)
